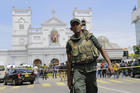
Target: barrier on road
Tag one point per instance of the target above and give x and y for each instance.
(129, 67)
(66, 69)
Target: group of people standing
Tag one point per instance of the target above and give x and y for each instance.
(60, 70)
(119, 68)
(54, 71)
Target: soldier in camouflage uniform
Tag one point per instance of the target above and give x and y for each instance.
(82, 51)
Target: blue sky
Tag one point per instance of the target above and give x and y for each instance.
(111, 18)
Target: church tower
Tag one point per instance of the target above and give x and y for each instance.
(86, 18)
(21, 22)
(136, 21)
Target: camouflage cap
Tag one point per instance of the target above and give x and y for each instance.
(74, 20)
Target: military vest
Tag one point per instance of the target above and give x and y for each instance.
(83, 49)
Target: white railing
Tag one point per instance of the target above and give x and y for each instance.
(36, 30)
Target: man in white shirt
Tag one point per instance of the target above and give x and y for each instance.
(36, 72)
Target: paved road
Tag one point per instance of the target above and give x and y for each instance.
(108, 85)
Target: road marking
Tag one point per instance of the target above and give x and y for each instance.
(137, 79)
(129, 80)
(121, 91)
(60, 83)
(2, 87)
(16, 87)
(116, 81)
(30, 86)
(101, 81)
(46, 85)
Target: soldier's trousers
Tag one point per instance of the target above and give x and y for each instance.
(85, 82)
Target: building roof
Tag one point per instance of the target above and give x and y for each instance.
(53, 21)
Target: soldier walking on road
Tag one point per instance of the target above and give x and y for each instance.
(82, 51)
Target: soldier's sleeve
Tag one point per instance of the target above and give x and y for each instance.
(68, 48)
(95, 42)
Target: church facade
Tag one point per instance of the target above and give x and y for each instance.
(42, 45)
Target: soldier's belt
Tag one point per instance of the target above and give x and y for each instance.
(84, 62)
(88, 57)
(88, 61)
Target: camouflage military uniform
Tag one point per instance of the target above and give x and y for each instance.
(84, 72)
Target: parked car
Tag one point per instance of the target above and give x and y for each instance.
(2, 73)
(18, 76)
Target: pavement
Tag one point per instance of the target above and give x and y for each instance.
(105, 85)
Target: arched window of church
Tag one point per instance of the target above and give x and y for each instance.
(54, 36)
(83, 23)
(21, 23)
(21, 26)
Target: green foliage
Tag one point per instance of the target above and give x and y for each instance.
(137, 51)
(136, 55)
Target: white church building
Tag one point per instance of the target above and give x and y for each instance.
(41, 45)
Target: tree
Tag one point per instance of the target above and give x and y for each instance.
(137, 51)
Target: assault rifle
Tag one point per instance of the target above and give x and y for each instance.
(72, 85)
